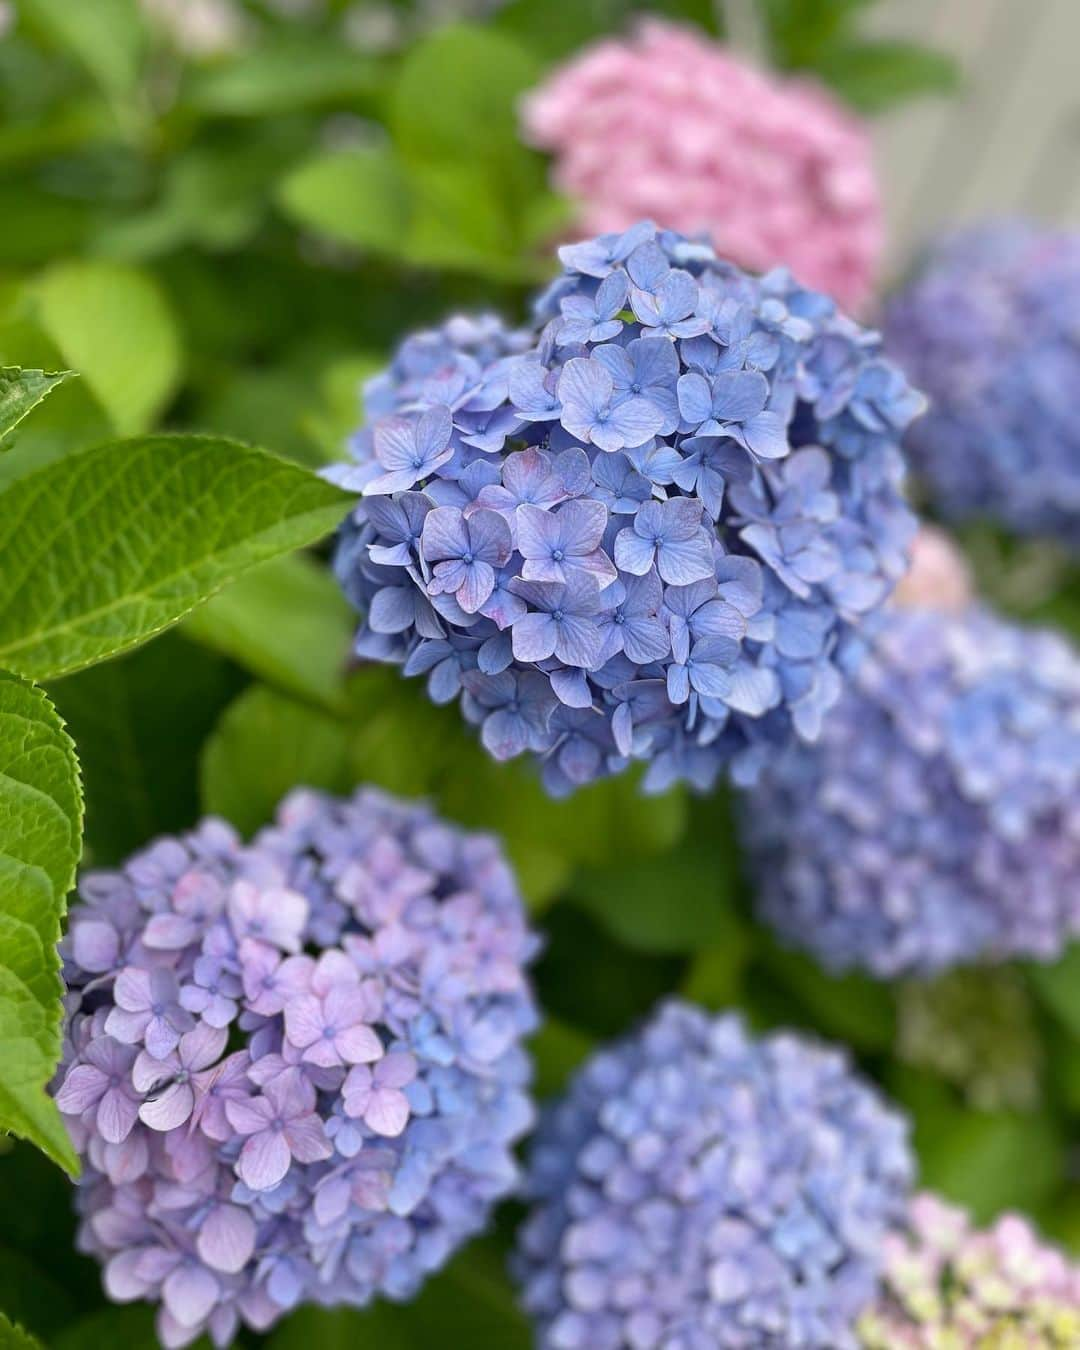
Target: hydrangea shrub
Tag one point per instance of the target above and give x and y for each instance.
(668, 124)
(642, 530)
(987, 327)
(696, 1188)
(937, 821)
(947, 1284)
(294, 1068)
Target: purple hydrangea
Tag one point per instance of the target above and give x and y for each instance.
(294, 1068)
(937, 821)
(645, 527)
(988, 328)
(698, 1189)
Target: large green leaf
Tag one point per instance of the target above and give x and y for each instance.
(1058, 986)
(112, 323)
(108, 547)
(40, 831)
(105, 36)
(264, 745)
(140, 722)
(291, 71)
(21, 391)
(285, 621)
(872, 76)
(358, 196)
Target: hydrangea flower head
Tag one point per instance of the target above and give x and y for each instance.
(936, 822)
(987, 326)
(642, 531)
(294, 1068)
(669, 125)
(949, 1284)
(696, 1188)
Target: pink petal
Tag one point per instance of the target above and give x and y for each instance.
(387, 1112)
(203, 1046)
(226, 1240)
(303, 1020)
(395, 1069)
(249, 1115)
(172, 1108)
(126, 1026)
(82, 1087)
(263, 1160)
(308, 1140)
(190, 1293)
(116, 1114)
(358, 1045)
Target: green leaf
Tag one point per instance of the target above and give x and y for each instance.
(287, 622)
(986, 1160)
(21, 391)
(456, 96)
(263, 746)
(12, 1337)
(131, 1326)
(112, 323)
(286, 73)
(557, 1050)
(109, 547)
(851, 1008)
(105, 36)
(359, 197)
(469, 1305)
(139, 723)
(40, 830)
(1058, 986)
(873, 76)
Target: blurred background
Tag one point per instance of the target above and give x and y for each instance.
(224, 214)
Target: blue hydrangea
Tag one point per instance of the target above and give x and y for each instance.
(696, 1190)
(294, 1069)
(988, 328)
(937, 820)
(641, 530)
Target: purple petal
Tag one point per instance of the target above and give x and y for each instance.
(632, 553)
(116, 1115)
(263, 1160)
(534, 637)
(169, 1110)
(578, 642)
(226, 1240)
(445, 535)
(681, 561)
(387, 1112)
(190, 1293)
(83, 1086)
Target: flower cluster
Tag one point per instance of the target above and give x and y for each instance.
(667, 124)
(642, 532)
(937, 820)
(946, 1284)
(988, 328)
(294, 1068)
(696, 1188)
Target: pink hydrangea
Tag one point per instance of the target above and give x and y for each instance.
(939, 576)
(669, 126)
(947, 1284)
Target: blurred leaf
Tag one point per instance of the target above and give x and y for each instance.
(715, 976)
(873, 76)
(112, 323)
(31, 1296)
(671, 902)
(988, 1161)
(341, 410)
(117, 543)
(265, 745)
(287, 622)
(40, 831)
(14, 1338)
(800, 30)
(139, 723)
(21, 391)
(851, 1008)
(130, 1326)
(557, 1050)
(469, 1305)
(104, 36)
(1058, 986)
(357, 196)
(39, 225)
(289, 71)
(593, 984)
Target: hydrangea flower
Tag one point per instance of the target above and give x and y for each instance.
(668, 124)
(987, 326)
(937, 821)
(294, 1068)
(949, 1284)
(696, 1188)
(643, 530)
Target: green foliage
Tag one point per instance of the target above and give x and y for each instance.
(112, 324)
(117, 543)
(12, 1337)
(40, 826)
(21, 391)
